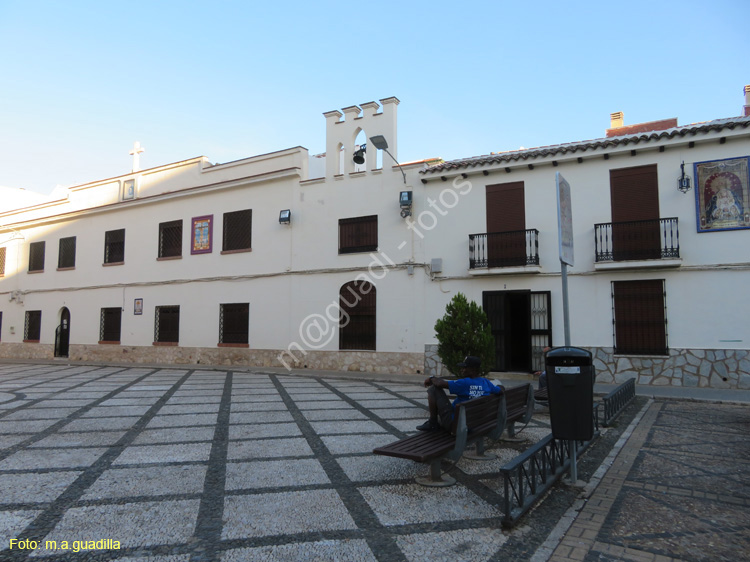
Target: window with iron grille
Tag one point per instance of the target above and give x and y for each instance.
(639, 317)
(110, 324)
(237, 233)
(234, 320)
(3, 251)
(32, 326)
(170, 239)
(357, 323)
(167, 328)
(114, 246)
(358, 234)
(66, 256)
(36, 256)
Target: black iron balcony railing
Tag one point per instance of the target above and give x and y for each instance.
(656, 239)
(504, 249)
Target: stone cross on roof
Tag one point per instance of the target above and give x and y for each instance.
(137, 149)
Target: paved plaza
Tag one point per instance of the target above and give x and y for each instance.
(190, 464)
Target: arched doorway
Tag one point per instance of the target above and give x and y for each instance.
(62, 334)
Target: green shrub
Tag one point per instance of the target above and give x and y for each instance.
(464, 330)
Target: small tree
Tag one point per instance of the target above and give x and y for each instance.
(464, 330)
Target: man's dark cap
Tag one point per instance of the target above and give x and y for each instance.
(471, 361)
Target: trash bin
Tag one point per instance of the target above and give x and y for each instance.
(570, 378)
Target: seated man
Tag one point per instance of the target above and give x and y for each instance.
(466, 388)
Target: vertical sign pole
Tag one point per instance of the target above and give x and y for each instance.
(566, 320)
(566, 309)
(565, 240)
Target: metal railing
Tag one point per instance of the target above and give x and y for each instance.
(637, 240)
(616, 401)
(531, 474)
(504, 249)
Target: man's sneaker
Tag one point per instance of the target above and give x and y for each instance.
(429, 425)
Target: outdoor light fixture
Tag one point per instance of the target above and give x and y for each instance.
(380, 143)
(359, 155)
(285, 216)
(404, 201)
(683, 182)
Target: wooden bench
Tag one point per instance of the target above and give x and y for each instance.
(475, 419)
(519, 402)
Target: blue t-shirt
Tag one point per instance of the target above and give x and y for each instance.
(468, 388)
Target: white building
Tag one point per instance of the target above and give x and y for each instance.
(195, 262)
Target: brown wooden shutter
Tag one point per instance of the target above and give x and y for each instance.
(506, 210)
(640, 324)
(357, 300)
(634, 196)
(634, 193)
(506, 225)
(358, 234)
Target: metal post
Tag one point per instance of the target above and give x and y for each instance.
(566, 321)
(566, 312)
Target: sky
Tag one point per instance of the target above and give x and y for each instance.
(81, 81)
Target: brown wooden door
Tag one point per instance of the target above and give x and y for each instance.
(506, 214)
(634, 196)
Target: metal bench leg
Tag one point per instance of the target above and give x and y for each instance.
(512, 433)
(480, 454)
(436, 477)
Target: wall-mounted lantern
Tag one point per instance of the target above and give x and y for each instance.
(405, 202)
(683, 182)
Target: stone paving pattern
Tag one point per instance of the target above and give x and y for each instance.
(205, 465)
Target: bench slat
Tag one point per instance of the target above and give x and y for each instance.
(422, 447)
(481, 415)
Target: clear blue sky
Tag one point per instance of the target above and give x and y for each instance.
(81, 81)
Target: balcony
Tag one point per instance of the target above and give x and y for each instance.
(646, 243)
(504, 252)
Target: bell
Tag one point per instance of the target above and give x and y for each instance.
(359, 156)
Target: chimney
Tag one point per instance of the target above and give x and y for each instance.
(616, 119)
(747, 100)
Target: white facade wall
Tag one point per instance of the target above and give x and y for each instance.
(292, 277)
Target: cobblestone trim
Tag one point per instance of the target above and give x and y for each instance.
(209, 524)
(580, 538)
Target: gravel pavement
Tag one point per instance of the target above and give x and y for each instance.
(135, 463)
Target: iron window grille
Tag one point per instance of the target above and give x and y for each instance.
(32, 328)
(639, 317)
(358, 234)
(66, 256)
(237, 234)
(234, 321)
(3, 251)
(110, 324)
(114, 246)
(170, 239)
(167, 324)
(36, 256)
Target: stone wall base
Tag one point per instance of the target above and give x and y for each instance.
(354, 361)
(697, 368)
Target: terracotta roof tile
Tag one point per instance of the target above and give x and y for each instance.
(581, 146)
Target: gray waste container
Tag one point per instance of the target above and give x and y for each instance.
(570, 378)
